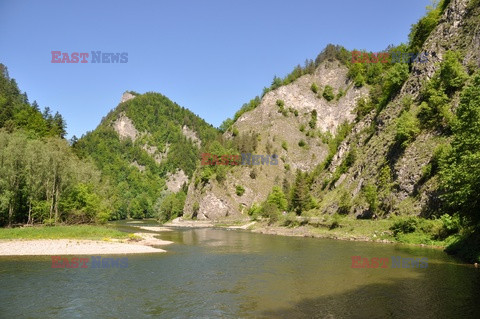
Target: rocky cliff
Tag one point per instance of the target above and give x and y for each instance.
(396, 174)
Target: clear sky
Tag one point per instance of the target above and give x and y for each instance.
(208, 56)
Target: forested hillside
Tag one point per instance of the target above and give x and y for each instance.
(41, 179)
(142, 145)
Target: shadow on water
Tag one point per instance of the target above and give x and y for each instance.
(399, 298)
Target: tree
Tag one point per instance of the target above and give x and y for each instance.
(300, 194)
(460, 170)
(278, 198)
(328, 93)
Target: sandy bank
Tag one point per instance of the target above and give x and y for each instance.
(81, 247)
(180, 222)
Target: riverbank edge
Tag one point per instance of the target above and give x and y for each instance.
(297, 231)
(140, 243)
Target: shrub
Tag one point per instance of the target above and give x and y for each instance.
(285, 146)
(314, 88)
(404, 225)
(278, 198)
(235, 131)
(328, 93)
(345, 204)
(290, 220)
(450, 225)
(239, 190)
(302, 143)
(407, 128)
(313, 119)
(302, 128)
(270, 211)
(254, 211)
(335, 222)
(195, 209)
(364, 106)
(370, 193)
(340, 94)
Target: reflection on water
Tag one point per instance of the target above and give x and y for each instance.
(217, 273)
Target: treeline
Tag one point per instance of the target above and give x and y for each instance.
(17, 113)
(41, 179)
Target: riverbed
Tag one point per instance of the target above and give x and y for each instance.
(220, 273)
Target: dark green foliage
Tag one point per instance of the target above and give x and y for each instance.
(332, 53)
(328, 93)
(17, 113)
(467, 247)
(407, 128)
(313, 119)
(340, 94)
(404, 226)
(43, 181)
(278, 198)
(170, 205)
(460, 169)
(270, 211)
(422, 29)
(364, 106)
(226, 125)
(334, 143)
(435, 109)
(314, 87)
(371, 195)
(345, 204)
(281, 107)
(239, 190)
(137, 191)
(452, 75)
(300, 197)
(302, 143)
(247, 107)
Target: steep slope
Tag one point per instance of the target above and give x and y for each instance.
(395, 176)
(148, 146)
(387, 164)
(293, 122)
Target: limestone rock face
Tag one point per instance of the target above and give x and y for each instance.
(192, 135)
(280, 134)
(125, 128)
(176, 180)
(126, 96)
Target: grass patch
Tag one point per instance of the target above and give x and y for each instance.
(62, 232)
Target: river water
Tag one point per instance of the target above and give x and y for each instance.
(219, 273)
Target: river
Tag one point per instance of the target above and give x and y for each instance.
(219, 273)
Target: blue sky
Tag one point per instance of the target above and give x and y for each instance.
(208, 56)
